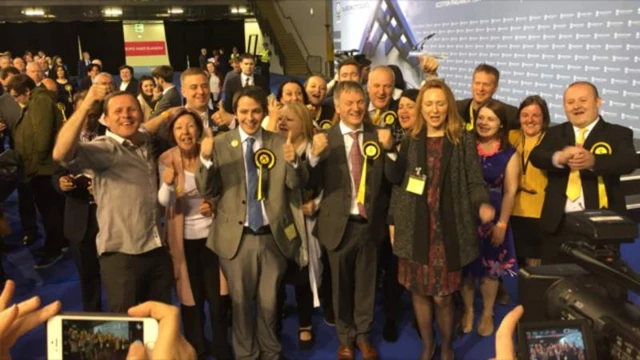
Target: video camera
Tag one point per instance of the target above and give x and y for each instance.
(590, 295)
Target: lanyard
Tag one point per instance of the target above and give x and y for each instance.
(471, 123)
(319, 113)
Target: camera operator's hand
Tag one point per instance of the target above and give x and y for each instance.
(504, 335)
(19, 319)
(170, 344)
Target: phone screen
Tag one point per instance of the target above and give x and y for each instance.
(99, 339)
(555, 343)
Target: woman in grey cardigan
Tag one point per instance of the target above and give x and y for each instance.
(440, 195)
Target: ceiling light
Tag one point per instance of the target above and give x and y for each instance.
(242, 10)
(234, 10)
(33, 11)
(176, 11)
(113, 11)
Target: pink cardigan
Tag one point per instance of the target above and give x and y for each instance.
(174, 228)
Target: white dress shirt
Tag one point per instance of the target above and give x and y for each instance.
(123, 86)
(578, 204)
(243, 79)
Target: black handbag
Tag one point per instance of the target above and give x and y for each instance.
(11, 173)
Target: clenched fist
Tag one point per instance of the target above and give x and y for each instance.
(169, 176)
(486, 213)
(66, 183)
(385, 138)
(207, 145)
(320, 144)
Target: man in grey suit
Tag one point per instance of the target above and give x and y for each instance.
(351, 216)
(256, 229)
(163, 76)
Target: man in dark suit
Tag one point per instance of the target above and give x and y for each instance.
(83, 64)
(246, 78)
(127, 82)
(351, 217)
(483, 86)
(163, 76)
(92, 71)
(584, 159)
(253, 236)
(202, 59)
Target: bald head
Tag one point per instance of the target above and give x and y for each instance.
(50, 85)
(34, 71)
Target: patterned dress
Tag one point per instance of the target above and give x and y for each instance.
(432, 279)
(493, 261)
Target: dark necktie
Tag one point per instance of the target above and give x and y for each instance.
(247, 82)
(254, 208)
(355, 156)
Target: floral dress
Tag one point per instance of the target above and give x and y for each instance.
(493, 261)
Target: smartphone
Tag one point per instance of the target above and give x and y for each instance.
(97, 336)
(562, 339)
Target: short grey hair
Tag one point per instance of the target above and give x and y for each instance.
(384, 68)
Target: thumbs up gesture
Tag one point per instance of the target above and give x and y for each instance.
(385, 138)
(222, 117)
(208, 144)
(320, 144)
(289, 151)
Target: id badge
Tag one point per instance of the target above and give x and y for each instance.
(416, 182)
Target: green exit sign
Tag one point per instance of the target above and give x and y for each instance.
(139, 28)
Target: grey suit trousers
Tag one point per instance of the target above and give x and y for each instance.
(353, 277)
(254, 276)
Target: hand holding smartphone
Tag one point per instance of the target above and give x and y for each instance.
(92, 336)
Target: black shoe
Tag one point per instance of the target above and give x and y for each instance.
(28, 239)
(390, 331)
(48, 260)
(306, 344)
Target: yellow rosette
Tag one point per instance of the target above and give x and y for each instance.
(602, 148)
(264, 159)
(370, 151)
(389, 118)
(325, 124)
(62, 109)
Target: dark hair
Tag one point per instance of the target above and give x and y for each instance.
(411, 94)
(253, 92)
(125, 66)
(246, 56)
(144, 78)
(593, 87)
(350, 61)
(55, 71)
(109, 97)
(91, 66)
(163, 72)
(305, 97)
(501, 112)
(537, 100)
(400, 83)
(486, 68)
(20, 84)
(9, 70)
(174, 118)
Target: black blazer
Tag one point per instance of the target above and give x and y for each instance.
(171, 99)
(82, 68)
(332, 175)
(85, 84)
(622, 160)
(511, 111)
(234, 84)
(132, 87)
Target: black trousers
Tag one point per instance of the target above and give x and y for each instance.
(85, 256)
(326, 290)
(133, 279)
(27, 210)
(299, 278)
(391, 289)
(50, 204)
(353, 269)
(204, 278)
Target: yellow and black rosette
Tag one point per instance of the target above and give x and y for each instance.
(62, 109)
(264, 159)
(370, 151)
(602, 148)
(68, 87)
(325, 124)
(389, 118)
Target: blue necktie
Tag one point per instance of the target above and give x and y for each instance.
(255, 210)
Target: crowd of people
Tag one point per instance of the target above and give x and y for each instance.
(320, 186)
(88, 345)
(557, 351)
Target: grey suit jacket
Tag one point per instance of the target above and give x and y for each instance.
(171, 99)
(331, 175)
(226, 179)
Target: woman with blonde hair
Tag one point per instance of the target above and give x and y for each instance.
(435, 215)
